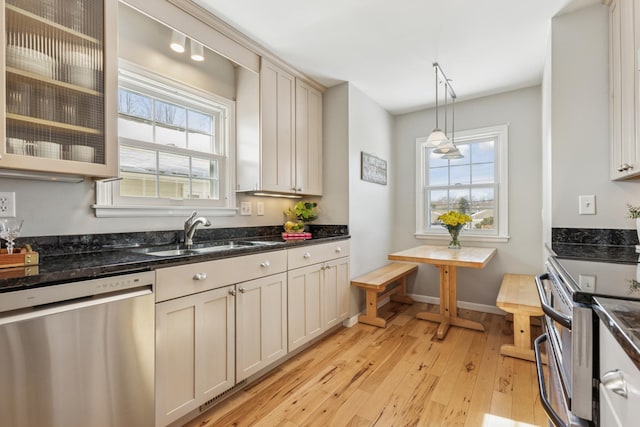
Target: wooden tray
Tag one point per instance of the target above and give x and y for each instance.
(21, 257)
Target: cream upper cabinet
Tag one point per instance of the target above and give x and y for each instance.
(288, 159)
(308, 166)
(624, 41)
(277, 97)
(59, 111)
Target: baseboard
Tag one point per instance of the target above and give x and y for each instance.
(461, 304)
(350, 321)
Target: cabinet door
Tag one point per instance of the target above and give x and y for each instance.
(308, 164)
(304, 305)
(194, 352)
(335, 289)
(623, 82)
(60, 79)
(277, 97)
(261, 313)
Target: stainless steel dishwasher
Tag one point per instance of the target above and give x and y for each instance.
(79, 354)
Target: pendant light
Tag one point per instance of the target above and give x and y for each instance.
(453, 153)
(437, 136)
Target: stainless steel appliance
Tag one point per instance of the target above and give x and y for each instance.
(79, 354)
(568, 384)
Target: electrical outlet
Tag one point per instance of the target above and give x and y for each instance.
(260, 208)
(587, 282)
(245, 208)
(587, 205)
(8, 205)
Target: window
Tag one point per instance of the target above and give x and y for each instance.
(475, 185)
(174, 147)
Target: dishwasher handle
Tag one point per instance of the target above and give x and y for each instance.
(544, 398)
(562, 319)
(74, 304)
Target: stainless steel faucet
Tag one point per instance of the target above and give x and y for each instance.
(190, 226)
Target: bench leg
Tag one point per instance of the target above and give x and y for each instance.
(401, 295)
(521, 339)
(371, 316)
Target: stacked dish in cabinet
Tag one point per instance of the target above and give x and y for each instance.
(54, 57)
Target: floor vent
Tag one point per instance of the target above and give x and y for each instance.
(206, 405)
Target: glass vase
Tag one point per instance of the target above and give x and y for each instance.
(454, 232)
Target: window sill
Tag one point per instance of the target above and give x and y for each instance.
(124, 211)
(463, 237)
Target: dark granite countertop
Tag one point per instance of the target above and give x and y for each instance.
(622, 318)
(590, 252)
(60, 266)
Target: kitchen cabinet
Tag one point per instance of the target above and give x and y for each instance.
(59, 73)
(619, 387)
(194, 351)
(624, 40)
(289, 158)
(318, 280)
(204, 311)
(261, 324)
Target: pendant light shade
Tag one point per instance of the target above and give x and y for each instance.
(436, 138)
(453, 154)
(445, 148)
(177, 42)
(197, 50)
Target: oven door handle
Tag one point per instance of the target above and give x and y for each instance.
(544, 399)
(562, 319)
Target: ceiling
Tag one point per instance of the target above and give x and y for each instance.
(386, 48)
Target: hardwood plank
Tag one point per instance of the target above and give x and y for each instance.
(401, 375)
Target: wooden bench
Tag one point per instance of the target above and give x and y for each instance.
(377, 281)
(518, 296)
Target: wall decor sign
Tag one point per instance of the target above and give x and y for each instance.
(373, 169)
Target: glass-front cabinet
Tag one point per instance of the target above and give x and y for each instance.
(60, 82)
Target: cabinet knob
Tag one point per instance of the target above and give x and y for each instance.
(614, 381)
(307, 255)
(620, 168)
(200, 276)
(338, 249)
(299, 189)
(265, 264)
(232, 292)
(242, 290)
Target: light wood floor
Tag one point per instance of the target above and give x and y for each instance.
(398, 376)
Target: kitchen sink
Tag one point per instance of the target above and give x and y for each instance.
(203, 248)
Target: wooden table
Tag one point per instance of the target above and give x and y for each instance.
(447, 260)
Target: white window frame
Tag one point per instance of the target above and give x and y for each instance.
(109, 203)
(501, 234)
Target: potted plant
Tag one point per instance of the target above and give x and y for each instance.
(634, 213)
(454, 221)
(303, 212)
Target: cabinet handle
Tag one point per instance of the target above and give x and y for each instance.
(242, 290)
(265, 264)
(338, 249)
(614, 381)
(620, 168)
(200, 276)
(299, 189)
(232, 292)
(307, 255)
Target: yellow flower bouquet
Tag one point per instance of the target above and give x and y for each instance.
(454, 221)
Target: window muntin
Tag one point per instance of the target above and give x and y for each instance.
(475, 184)
(173, 144)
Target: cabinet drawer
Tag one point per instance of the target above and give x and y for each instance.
(174, 282)
(308, 255)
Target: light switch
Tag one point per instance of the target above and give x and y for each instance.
(260, 208)
(587, 205)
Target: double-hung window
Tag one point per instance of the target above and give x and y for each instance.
(174, 147)
(475, 184)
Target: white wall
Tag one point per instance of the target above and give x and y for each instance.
(522, 254)
(580, 124)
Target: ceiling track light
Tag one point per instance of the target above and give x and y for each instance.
(197, 50)
(177, 41)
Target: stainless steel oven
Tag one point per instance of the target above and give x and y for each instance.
(566, 381)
